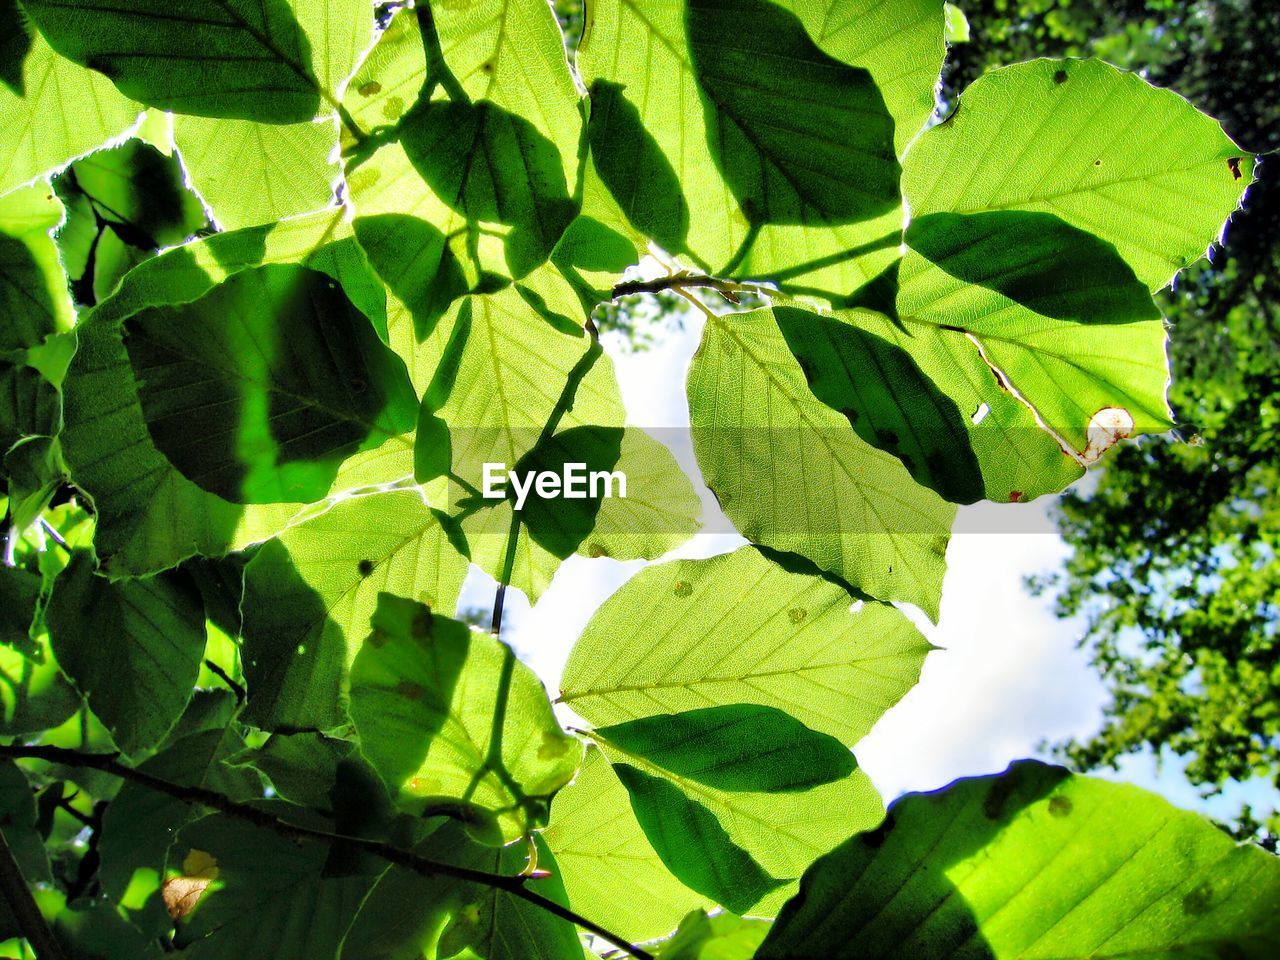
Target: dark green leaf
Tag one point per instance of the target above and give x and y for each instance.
(692, 843)
(261, 389)
(736, 747)
(229, 58)
(799, 136)
(150, 631)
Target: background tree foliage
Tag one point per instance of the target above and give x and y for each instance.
(1175, 560)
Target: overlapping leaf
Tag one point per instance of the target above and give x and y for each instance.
(451, 719)
(794, 475)
(473, 179)
(770, 121)
(310, 595)
(153, 629)
(739, 629)
(1034, 863)
(52, 111)
(231, 58)
(150, 516)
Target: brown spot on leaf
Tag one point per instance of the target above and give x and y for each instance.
(369, 88)
(683, 588)
(410, 690)
(365, 567)
(595, 551)
(1199, 900)
(487, 66)
(1060, 806)
(1233, 164)
(1097, 163)
(1015, 496)
(1060, 77)
(797, 614)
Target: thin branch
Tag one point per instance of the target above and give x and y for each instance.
(200, 796)
(683, 280)
(30, 920)
(222, 675)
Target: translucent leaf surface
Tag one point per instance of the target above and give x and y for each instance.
(741, 628)
(792, 474)
(310, 594)
(449, 717)
(1034, 863)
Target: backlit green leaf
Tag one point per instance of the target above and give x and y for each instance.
(56, 111)
(1102, 149)
(792, 474)
(450, 718)
(310, 594)
(1034, 863)
(736, 629)
(230, 58)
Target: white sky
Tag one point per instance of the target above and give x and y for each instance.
(1009, 676)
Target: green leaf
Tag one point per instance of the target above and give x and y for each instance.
(407, 916)
(34, 695)
(251, 173)
(742, 629)
(476, 186)
(957, 24)
(139, 823)
(793, 475)
(33, 288)
(29, 405)
(149, 515)
(719, 937)
(232, 58)
(733, 104)
(1034, 862)
(56, 111)
(610, 868)
(887, 399)
(498, 384)
(266, 894)
(152, 630)
(692, 844)
(781, 832)
(797, 135)
(123, 204)
(1102, 149)
(735, 747)
(19, 591)
(1055, 312)
(18, 824)
(260, 390)
(448, 716)
(310, 594)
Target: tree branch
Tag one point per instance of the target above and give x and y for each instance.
(30, 920)
(200, 796)
(683, 280)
